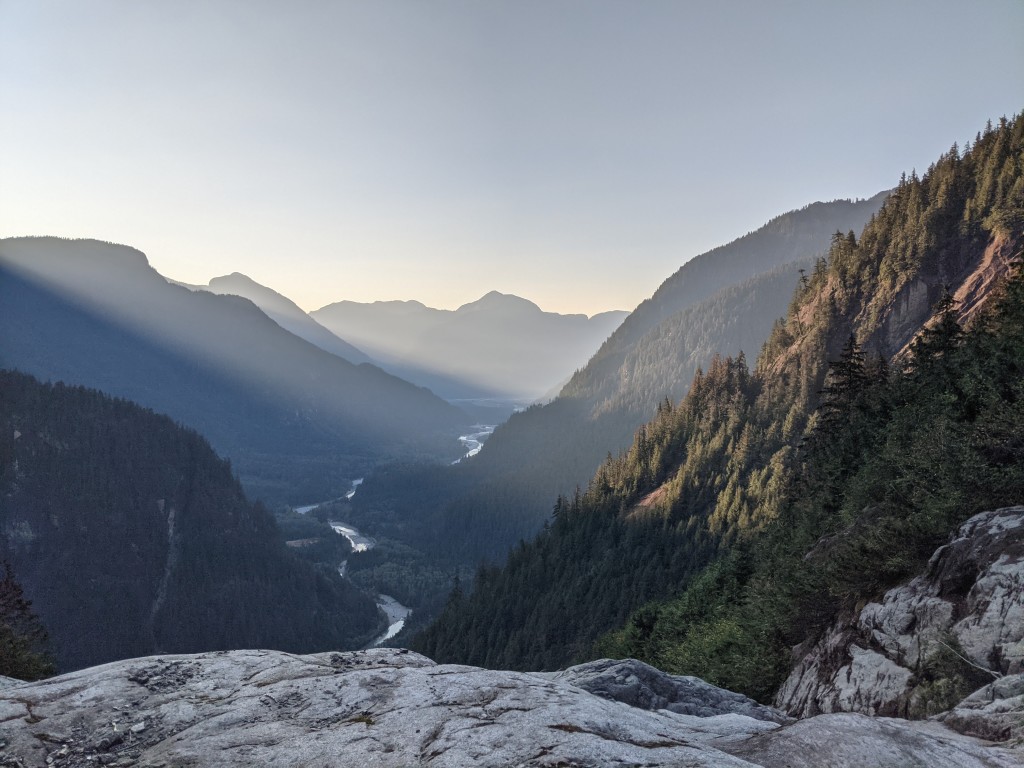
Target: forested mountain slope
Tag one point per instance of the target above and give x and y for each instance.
(803, 234)
(482, 508)
(298, 423)
(131, 537)
(757, 467)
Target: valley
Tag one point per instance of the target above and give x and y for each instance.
(476, 385)
(840, 507)
(474, 441)
(396, 612)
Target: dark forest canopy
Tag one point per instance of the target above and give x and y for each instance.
(131, 537)
(752, 468)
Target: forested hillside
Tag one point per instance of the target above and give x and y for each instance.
(298, 423)
(131, 537)
(752, 470)
(480, 508)
(804, 234)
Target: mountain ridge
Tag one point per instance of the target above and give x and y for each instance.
(279, 406)
(131, 536)
(498, 346)
(285, 313)
(743, 518)
(506, 493)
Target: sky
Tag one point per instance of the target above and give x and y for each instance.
(572, 152)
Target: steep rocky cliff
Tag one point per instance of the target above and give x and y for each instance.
(931, 641)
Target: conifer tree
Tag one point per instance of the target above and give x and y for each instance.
(23, 640)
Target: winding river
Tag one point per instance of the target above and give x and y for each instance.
(394, 610)
(474, 441)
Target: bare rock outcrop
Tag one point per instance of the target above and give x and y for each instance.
(641, 685)
(381, 707)
(850, 740)
(389, 708)
(930, 641)
(995, 712)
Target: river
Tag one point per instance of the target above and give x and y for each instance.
(394, 610)
(348, 495)
(396, 613)
(474, 441)
(359, 542)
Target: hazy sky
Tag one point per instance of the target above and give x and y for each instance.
(575, 153)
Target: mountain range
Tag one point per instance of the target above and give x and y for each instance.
(498, 347)
(298, 422)
(833, 528)
(284, 312)
(753, 521)
(716, 303)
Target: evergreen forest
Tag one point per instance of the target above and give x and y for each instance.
(440, 523)
(885, 408)
(130, 536)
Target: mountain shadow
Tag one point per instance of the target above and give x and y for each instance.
(497, 347)
(298, 423)
(131, 537)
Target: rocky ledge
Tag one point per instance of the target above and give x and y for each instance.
(930, 642)
(392, 708)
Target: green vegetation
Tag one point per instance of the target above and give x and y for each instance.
(727, 299)
(743, 519)
(892, 466)
(24, 646)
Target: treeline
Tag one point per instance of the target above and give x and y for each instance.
(892, 464)
(131, 537)
(24, 645)
(707, 478)
(478, 510)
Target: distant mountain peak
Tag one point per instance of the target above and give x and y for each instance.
(236, 279)
(235, 276)
(497, 300)
(266, 298)
(285, 313)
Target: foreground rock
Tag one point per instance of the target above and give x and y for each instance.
(375, 708)
(930, 642)
(859, 741)
(391, 708)
(641, 685)
(995, 712)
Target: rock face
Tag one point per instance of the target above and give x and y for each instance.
(995, 712)
(929, 641)
(641, 685)
(831, 741)
(391, 708)
(380, 708)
